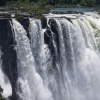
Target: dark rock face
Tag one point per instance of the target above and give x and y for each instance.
(9, 63)
(2, 2)
(43, 20)
(52, 40)
(49, 37)
(25, 24)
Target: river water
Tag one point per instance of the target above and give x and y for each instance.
(73, 9)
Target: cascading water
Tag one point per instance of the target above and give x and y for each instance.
(4, 82)
(77, 69)
(59, 62)
(29, 84)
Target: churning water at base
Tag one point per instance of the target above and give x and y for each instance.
(4, 82)
(60, 62)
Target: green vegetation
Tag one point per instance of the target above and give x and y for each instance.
(44, 6)
(55, 2)
(1, 91)
(30, 7)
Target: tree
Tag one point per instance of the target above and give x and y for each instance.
(90, 2)
(74, 2)
(98, 2)
(1, 91)
(82, 2)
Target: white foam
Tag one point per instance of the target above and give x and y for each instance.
(4, 82)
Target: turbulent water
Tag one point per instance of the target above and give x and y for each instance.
(4, 82)
(59, 62)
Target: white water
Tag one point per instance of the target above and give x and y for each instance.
(29, 85)
(71, 71)
(39, 48)
(4, 81)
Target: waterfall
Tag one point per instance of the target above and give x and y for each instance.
(74, 70)
(29, 84)
(39, 48)
(4, 81)
(77, 50)
(60, 61)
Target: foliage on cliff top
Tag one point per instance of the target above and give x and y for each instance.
(55, 2)
(44, 6)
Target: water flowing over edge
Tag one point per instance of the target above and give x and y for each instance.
(65, 66)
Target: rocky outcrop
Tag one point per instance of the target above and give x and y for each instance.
(9, 55)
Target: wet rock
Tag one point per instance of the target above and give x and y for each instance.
(9, 63)
(43, 20)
